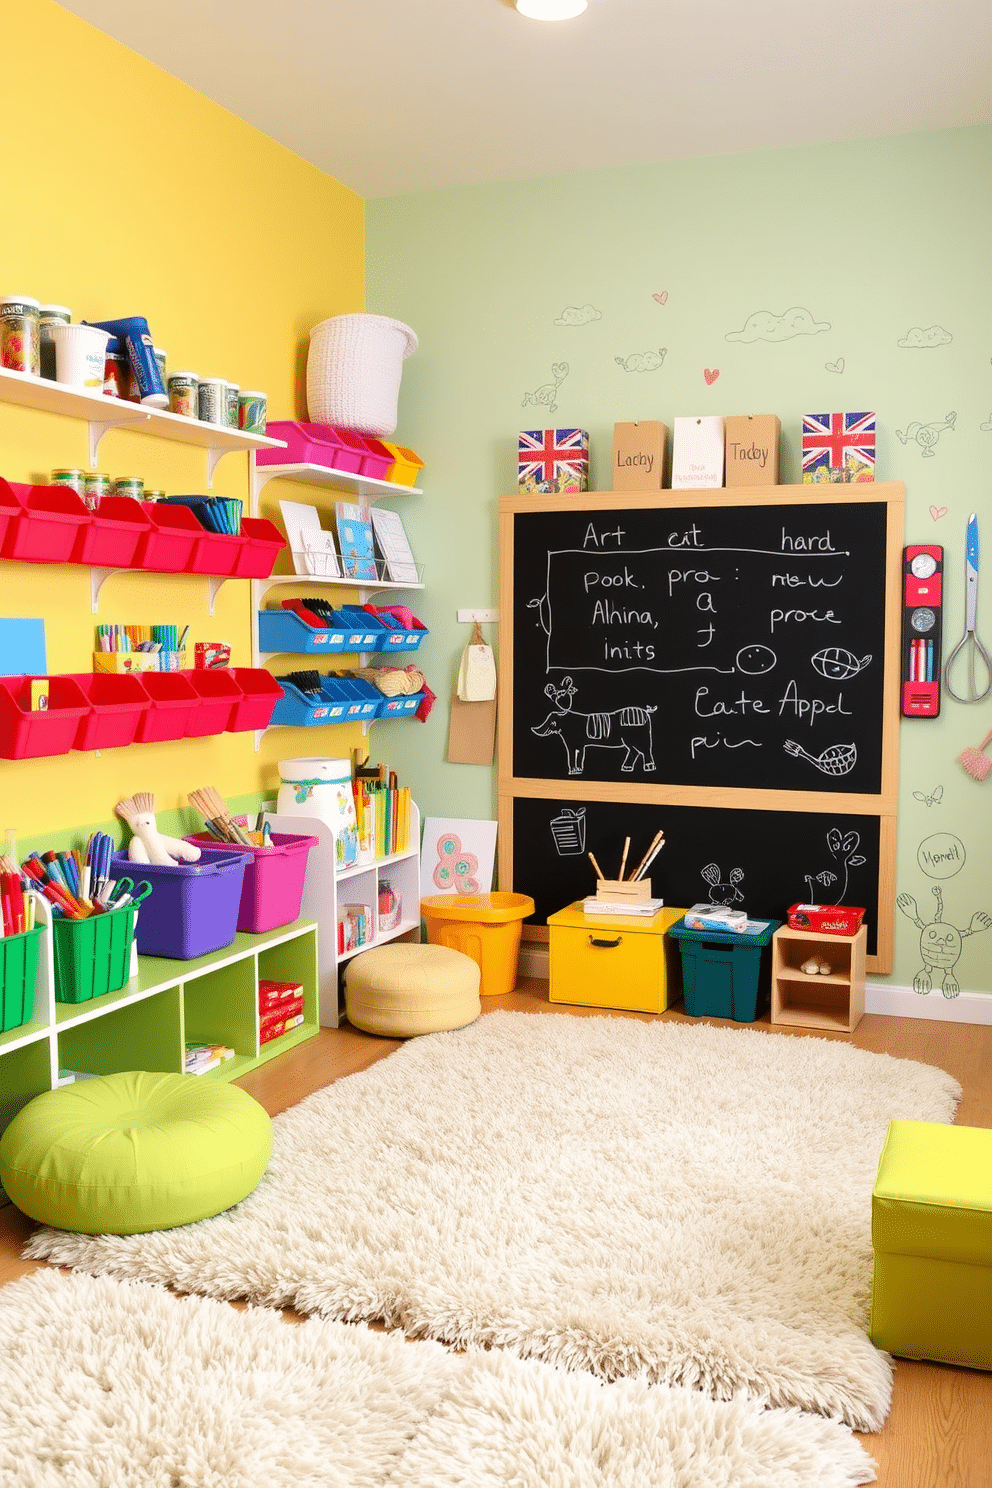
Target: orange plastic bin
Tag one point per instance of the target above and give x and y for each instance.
(483, 926)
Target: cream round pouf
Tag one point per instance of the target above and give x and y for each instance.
(401, 990)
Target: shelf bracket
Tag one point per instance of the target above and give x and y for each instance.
(98, 577)
(214, 457)
(97, 429)
(214, 586)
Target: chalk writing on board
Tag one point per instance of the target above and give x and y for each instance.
(744, 631)
(843, 849)
(724, 894)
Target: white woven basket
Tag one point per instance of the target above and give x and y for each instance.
(353, 371)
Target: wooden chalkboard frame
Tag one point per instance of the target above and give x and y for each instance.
(881, 805)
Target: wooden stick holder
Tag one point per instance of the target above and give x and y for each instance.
(623, 892)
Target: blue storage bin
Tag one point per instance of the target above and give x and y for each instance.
(400, 707)
(284, 630)
(298, 710)
(725, 974)
(363, 698)
(362, 627)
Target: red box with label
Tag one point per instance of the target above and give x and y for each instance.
(825, 919)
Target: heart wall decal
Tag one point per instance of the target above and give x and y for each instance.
(662, 298)
(711, 374)
(837, 366)
(937, 512)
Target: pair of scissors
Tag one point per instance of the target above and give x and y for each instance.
(969, 647)
(125, 892)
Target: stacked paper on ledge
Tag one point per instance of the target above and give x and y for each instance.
(644, 908)
(203, 1057)
(715, 917)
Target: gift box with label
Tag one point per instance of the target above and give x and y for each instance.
(552, 461)
(697, 454)
(838, 447)
(639, 455)
(752, 445)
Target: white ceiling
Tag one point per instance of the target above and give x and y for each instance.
(392, 96)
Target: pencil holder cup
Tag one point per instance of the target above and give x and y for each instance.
(619, 891)
(92, 956)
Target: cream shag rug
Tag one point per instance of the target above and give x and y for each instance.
(685, 1202)
(108, 1384)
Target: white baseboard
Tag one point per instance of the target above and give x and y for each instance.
(903, 1002)
(880, 997)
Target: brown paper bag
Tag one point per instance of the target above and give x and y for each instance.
(472, 733)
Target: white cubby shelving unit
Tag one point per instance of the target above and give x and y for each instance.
(326, 890)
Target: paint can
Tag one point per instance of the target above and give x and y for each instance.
(47, 315)
(252, 408)
(19, 334)
(184, 394)
(211, 404)
(115, 370)
(72, 477)
(129, 485)
(231, 392)
(159, 356)
(96, 485)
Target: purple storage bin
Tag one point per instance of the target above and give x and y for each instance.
(193, 907)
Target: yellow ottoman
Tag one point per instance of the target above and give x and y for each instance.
(401, 990)
(931, 1228)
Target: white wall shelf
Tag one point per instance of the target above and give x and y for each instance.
(99, 576)
(366, 487)
(101, 414)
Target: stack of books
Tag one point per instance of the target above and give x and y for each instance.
(280, 1008)
(356, 927)
(203, 1057)
(644, 908)
(382, 812)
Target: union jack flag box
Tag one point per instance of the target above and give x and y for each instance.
(838, 447)
(553, 461)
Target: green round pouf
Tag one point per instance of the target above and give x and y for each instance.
(132, 1152)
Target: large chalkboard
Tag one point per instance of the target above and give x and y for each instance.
(762, 861)
(723, 664)
(738, 646)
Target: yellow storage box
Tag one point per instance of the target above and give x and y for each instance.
(931, 1229)
(406, 465)
(614, 960)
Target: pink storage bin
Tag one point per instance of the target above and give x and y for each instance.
(218, 694)
(48, 527)
(29, 734)
(168, 545)
(263, 544)
(117, 705)
(259, 694)
(378, 460)
(309, 444)
(114, 533)
(274, 877)
(172, 701)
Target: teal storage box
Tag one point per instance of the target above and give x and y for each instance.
(726, 974)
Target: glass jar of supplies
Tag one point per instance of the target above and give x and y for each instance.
(322, 788)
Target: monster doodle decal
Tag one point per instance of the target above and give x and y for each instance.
(940, 943)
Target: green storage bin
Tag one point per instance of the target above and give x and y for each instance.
(92, 956)
(18, 970)
(725, 973)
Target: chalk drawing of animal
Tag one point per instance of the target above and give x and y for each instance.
(940, 944)
(725, 894)
(925, 435)
(623, 728)
(546, 395)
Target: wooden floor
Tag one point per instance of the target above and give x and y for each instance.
(939, 1431)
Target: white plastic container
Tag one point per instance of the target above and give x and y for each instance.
(322, 788)
(353, 371)
(80, 354)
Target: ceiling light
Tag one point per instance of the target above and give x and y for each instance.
(551, 10)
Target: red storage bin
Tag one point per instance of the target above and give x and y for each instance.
(172, 700)
(117, 703)
(272, 891)
(217, 693)
(216, 553)
(264, 544)
(173, 534)
(10, 508)
(825, 919)
(27, 734)
(48, 527)
(259, 694)
(114, 533)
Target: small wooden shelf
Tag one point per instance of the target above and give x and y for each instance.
(834, 1002)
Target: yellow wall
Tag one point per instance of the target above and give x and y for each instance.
(127, 193)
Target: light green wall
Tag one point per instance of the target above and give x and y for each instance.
(873, 238)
